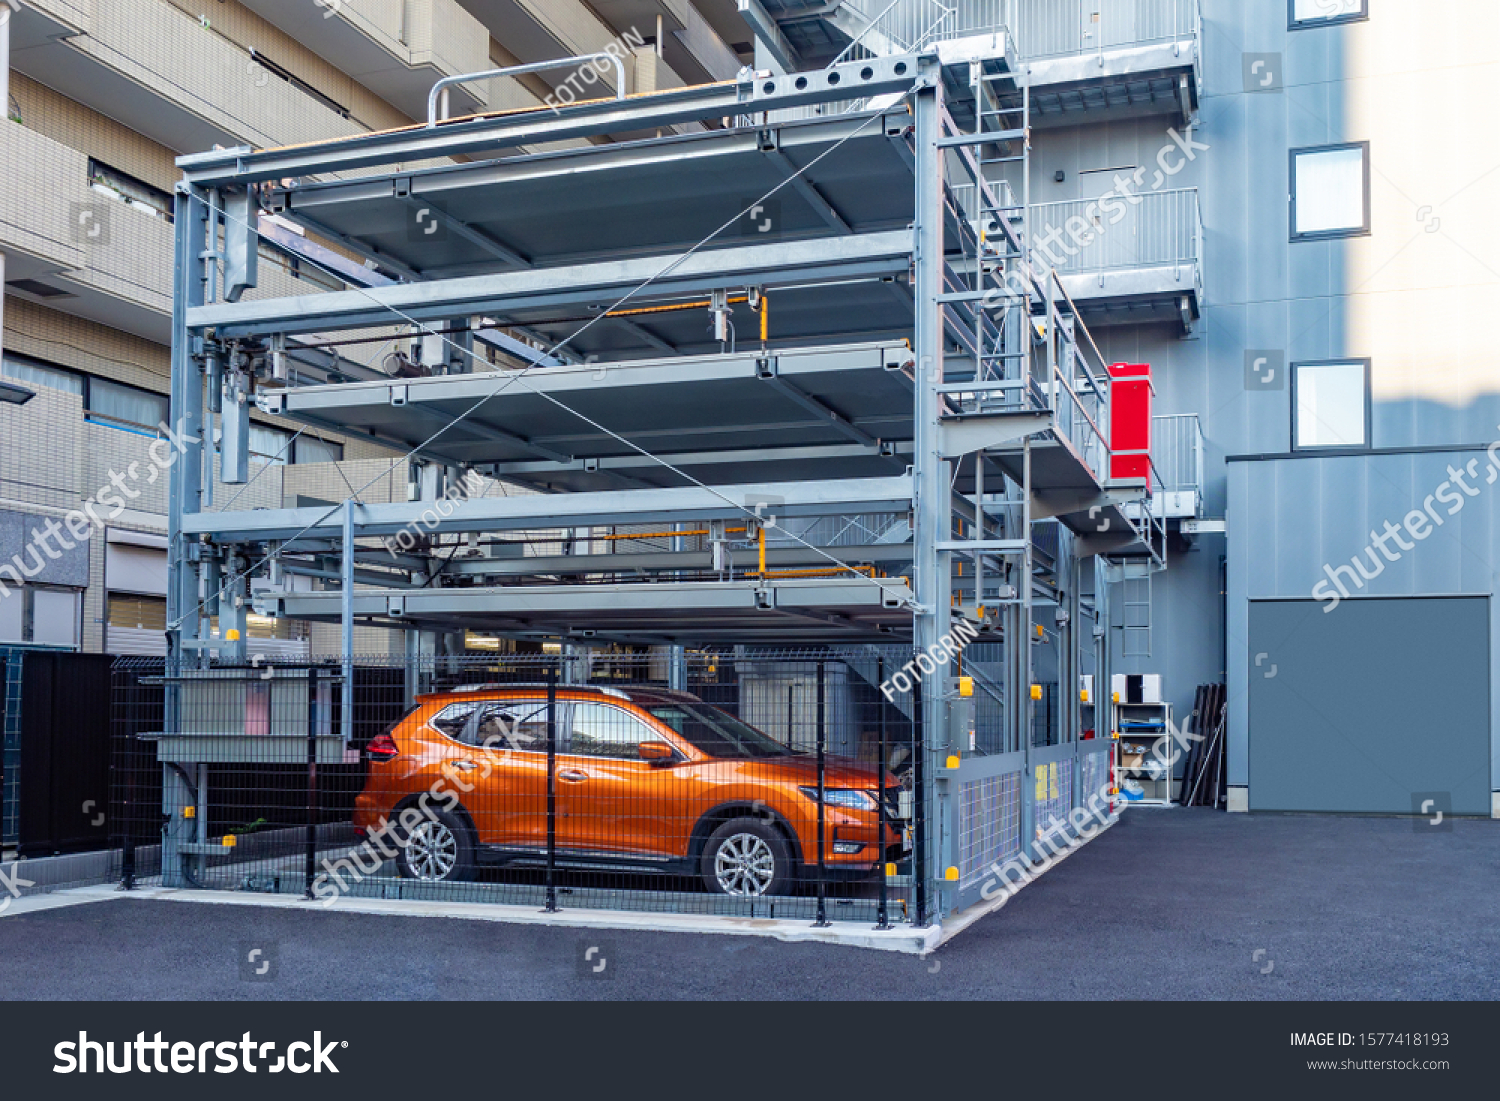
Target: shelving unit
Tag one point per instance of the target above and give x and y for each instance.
(1146, 725)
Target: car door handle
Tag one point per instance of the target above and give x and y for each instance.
(572, 775)
(462, 766)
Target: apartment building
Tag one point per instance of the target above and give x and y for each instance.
(1281, 207)
(101, 97)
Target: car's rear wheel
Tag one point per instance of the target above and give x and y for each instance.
(747, 857)
(438, 849)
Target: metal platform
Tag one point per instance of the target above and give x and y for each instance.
(818, 412)
(817, 610)
(634, 198)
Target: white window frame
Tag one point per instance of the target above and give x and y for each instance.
(1348, 361)
(1362, 230)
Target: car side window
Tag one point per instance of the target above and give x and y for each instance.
(452, 719)
(515, 724)
(599, 730)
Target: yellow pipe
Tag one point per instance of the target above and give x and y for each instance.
(671, 307)
(763, 550)
(663, 534)
(765, 318)
(867, 571)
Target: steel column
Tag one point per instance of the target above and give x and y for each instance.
(346, 625)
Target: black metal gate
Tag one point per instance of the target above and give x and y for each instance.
(64, 781)
(767, 784)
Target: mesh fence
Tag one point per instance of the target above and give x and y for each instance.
(763, 783)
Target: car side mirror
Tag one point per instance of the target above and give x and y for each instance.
(658, 753)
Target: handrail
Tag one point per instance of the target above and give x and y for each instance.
(1073, 307)
(1082, 412)
(869, 26)
(513, 70)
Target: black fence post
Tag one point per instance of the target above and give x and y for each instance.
(882, 917)
(127, 788)
(822, 797)
(312, 780)
(919, 802)
(551, 788)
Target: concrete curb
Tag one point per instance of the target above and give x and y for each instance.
(850, 935)
(917, 942)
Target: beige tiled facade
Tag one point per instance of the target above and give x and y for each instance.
(134, 84)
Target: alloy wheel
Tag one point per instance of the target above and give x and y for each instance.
(431, 851)
(745, 865)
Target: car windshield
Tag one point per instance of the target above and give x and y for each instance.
(715, 732)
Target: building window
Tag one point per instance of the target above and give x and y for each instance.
(54, 616)
(125, 188)
(1320, 13)
(310, 449)
(269, 445)
(1331, 404)
(1331, 191)
(113, 404)
(34, 373)
(273, 445)
(137, 613)
(129, 407)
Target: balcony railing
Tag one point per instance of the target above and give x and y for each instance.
(906, 26)
(1177, 451)
(1177, 456)
(1069, 28)
(1164, 229)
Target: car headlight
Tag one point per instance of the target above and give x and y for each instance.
(842, 797)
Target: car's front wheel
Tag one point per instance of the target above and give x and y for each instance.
(438, 849)
(747, 857)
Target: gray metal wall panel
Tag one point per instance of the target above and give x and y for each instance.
(1367, 709)
(1289, 518)
(1263, 291)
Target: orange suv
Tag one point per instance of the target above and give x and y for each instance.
(645, 778)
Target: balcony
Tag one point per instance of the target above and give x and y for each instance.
(155, 69)
(1088, 59)
(82, 253)
(1177, 454)
(397, 51)
(1120, 58)
(690, 45)
(1125, 263)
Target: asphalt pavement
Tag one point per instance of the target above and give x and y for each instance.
(1171, 903)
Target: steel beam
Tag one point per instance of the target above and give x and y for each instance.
(633, 561)
(615, 463)
(772, 264)
(768, 33)
(665, 506)
(460, 228)
(752, 93)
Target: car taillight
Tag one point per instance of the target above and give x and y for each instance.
(382, 748)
